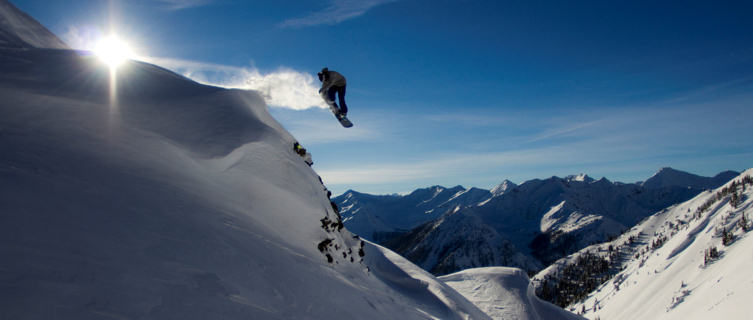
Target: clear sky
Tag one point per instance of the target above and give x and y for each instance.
(464, 92)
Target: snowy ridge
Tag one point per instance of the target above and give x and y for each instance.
(503, 187)
(18, 30)
(582, 177)
(378, 217)
(499, 190)
(557, 219)
(435, 191)
(467, 197)
(679, 256)
(668, 176)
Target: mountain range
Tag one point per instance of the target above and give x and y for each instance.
(444, 230)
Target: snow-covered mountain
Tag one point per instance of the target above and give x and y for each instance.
(691, 261)
(168, 199)
(526, 226)
(456, 242)
(503, 188)
(378, 217)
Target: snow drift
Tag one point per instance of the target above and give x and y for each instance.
(504, 293)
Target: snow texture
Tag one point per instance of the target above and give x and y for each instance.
(18, 30)
(504, 293)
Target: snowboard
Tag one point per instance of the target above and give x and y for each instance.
(333, 107)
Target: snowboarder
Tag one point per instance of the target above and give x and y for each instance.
(333, 82)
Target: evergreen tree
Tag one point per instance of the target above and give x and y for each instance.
(727, 237)
(743, 223)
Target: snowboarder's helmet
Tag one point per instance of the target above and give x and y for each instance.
(324, 74)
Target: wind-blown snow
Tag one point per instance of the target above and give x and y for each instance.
(285, 87)
(18, 30)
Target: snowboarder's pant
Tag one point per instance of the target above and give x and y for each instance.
(341, 94)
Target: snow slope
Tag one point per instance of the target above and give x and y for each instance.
(504, 293)
(19, 30)
(167, 199)
(667, 275)
(503, 187)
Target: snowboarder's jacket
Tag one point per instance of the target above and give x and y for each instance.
(332, 79)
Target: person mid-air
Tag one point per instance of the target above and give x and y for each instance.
(334, 83)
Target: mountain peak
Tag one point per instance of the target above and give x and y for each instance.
(503, 187)
(666, 170)
(579, 178)
(603, 180)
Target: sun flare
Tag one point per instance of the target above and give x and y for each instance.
(113, 51)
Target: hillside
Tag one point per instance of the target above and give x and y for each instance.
(691, 261)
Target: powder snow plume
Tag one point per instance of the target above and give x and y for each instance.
(285, 88)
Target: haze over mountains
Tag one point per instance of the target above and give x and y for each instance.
(529, 226)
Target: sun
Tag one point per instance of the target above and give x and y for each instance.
(113, 51)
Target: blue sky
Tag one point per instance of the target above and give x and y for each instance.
(465, 92)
